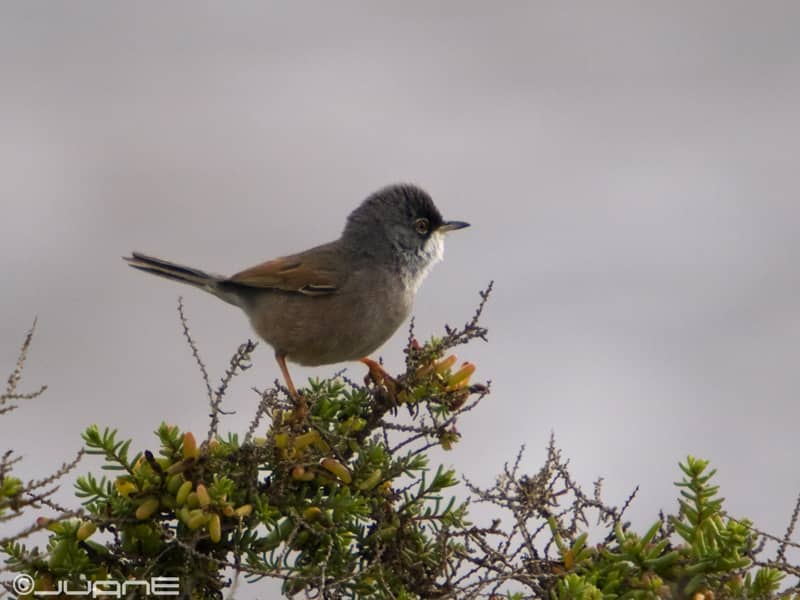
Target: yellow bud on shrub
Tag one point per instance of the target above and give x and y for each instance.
(424, 370)
(189, 445)
(183, 514)
(203, 496)
(85, 531)
(197, 518)
(305, 439)
(138, 464)
(192, 501)
(321, 445)
(125, 487)
(215, 528)
(461, 377)
(312, 513)
(445, 364)
(174, 483)
(370, 481)
(183, 492)
(147, 508)
(334, 466)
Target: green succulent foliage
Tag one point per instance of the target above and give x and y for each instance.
(698, 550)
(577, 587)
(338, 499)
(343, 508)
(106, 444)
(11, 489)
(716, 545)
(374, 538)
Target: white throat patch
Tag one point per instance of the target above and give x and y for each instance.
(427, 256)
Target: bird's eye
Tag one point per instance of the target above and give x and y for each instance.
(422, 226)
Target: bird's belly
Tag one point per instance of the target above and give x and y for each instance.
(319, 330)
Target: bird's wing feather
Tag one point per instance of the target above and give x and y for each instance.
(314, 273)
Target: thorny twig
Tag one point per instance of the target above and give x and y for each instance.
(786, 541)
(239, 362)
(35, 492)
(195, 351)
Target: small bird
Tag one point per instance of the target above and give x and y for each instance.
(339, 301)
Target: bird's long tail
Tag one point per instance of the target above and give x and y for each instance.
(194, 277)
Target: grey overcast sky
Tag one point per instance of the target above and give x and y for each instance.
(630, 170)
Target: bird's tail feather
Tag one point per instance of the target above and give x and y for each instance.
(169, 270)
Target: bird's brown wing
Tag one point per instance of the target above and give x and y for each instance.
(315, 272)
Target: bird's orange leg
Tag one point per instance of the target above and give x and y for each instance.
(286, 377)
(299, 401)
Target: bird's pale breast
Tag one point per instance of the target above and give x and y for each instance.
(346, 325)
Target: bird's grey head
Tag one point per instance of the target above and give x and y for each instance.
(402, 222)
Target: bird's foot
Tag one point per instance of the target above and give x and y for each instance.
(301, 409)
(389, 390)
(376, 373)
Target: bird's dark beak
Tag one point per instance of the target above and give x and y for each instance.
(452, 226)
